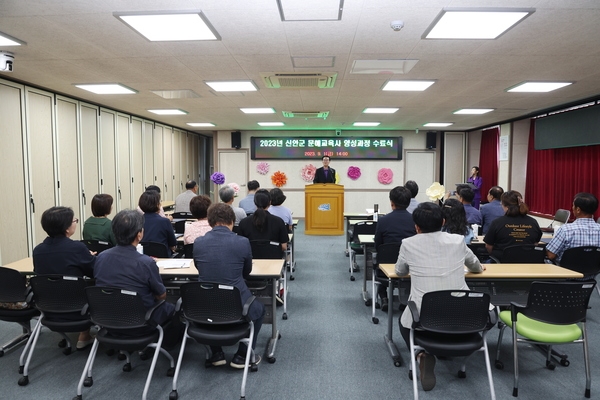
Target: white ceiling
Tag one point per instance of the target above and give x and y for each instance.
(75, 41)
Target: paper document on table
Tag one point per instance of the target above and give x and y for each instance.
(170, 264)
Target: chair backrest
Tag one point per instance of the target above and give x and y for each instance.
(560, 303)
(265, 249)
(97, 245)
(155, 249)
(562, 216)
(58, 293)
(585, 259)
(480, 251)
(188, 250)
(363, 228)
(115, 308)
(12, 286)
(211, 303)
(182, 215)
(179, 226)
(454, 311)
(387, 253)
(524, 254)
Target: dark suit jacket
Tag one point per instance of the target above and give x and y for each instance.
(222, 256)
(320, 176)
(394, 227)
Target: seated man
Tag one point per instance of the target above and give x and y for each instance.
(493, 209)
(435, 261)
(222, 256)
(123, 267)
(414, 191)
(182, 202)
(584, 231)
(247, 203)
(393, 228)
(226, 194)
(466, 196)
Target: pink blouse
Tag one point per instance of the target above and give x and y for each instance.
(194, 230)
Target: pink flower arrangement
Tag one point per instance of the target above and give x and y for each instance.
(385, 176)
(308, 173)
(235, 187)
(353, 173)
(262, 168)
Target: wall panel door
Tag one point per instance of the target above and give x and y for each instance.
(68, 159)
(454, 159)
(159, 164)
(14, 242)
(420, 167)
(178, 181)
(168, 191)
(90, 169)
(108, 170)
(123, 149)
(148, 139)
(40, 139)
(137, 160)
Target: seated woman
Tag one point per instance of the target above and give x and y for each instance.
(277, 199)
(198, 207)
(156, 228)
(161, 211)
(455, 219)
(515, 227)
(58, 254)
(262, 225)
(98, 226)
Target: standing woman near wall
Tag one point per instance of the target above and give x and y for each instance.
(477, 181)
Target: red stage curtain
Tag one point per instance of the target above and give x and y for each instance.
(554, 176)
(488, 160)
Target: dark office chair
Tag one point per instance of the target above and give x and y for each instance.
(61, 301)
(478, 248)
(585, 259)
(123, 323)
(182, 215)
(360, 228)
(523, 254)
(264, 249)
(387, 253)
(214, 315)
(13, 293)
(179, 226)
(551, 316)
(452, 323)
(561, 216)
(97, 245)
(188, 250)
(155, 249)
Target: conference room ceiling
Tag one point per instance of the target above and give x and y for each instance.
(74, 41)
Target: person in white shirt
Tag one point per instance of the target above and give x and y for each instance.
(182, 202)
(414, 191)
(247, 203)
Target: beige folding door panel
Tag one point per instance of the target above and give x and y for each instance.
(169, 192)
(419, 166)
(148, 154)
(191, 154)
(14, 239)
(40, 143)
(68, 159)
(454, 159)
(137, 161)
(89, 125)
(159, 163)
(178, 160)
(108, 170)
(123, 150)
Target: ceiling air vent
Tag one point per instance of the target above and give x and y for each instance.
(299, 81)
(305, 114)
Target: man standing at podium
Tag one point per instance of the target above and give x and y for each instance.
(325, 174)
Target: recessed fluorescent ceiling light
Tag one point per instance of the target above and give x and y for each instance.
(200, 124)
(438, 124)
(232, 86)
(375, 110)
(410, 86)
(257, 110)
(106, 88)
(538, 86)
(476, 23)
(473, 110)
(366, 123)
(168, 111)
(164, 26)
(271, 123)
(6, 40)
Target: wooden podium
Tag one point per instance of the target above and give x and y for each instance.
(324, 209)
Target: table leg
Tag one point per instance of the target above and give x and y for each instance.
(274, 332)
(365, 293)
(388, 338)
